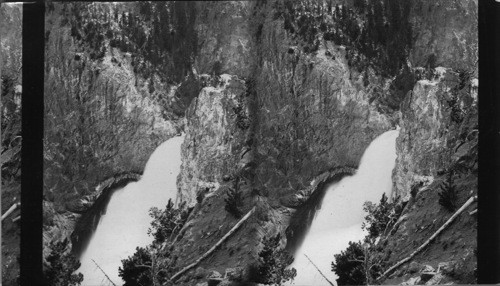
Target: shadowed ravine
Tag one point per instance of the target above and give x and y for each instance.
(124, 225)
(340, 214)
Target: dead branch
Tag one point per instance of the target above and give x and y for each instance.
(330, 282)
(10, 210)
(230, 232)
(444, 226)
(107, 277)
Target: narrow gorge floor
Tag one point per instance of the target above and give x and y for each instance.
(341, 214)
(124, 226)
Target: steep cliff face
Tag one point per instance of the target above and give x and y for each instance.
(437, 151)
(101, 117)
(216, 132)
(438, 128)
(313, 113)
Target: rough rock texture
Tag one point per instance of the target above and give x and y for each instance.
(101, 119)
(215, 140)
(216, 155)
(430, 135)
(313, 113)
(437, 142)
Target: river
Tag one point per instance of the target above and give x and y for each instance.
(124, 225)
(341, 214)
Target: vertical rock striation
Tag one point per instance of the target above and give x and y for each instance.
(216, 124)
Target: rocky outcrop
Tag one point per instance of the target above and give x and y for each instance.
(216, 134)
(318, 184)
(439, 118)
(118, 180)
(438, 143)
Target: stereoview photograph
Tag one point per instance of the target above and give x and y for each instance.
(278, 142)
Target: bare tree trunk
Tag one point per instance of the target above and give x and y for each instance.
(10, 210)
(211, 250)
(444, 226)
(107, 277)
(330, 282)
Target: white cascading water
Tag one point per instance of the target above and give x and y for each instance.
(341, 215)
(126, 222)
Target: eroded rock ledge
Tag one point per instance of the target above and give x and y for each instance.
(320, 182)
(92, 207)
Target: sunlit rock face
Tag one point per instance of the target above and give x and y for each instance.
(216, 127)
(438, 116)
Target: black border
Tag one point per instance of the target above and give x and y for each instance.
(489, 143)
(32, 146)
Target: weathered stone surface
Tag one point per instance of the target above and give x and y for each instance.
(213, 139)
(297, 199)
(428, 135)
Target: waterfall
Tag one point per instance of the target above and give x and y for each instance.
(124, 225)
(341, 214)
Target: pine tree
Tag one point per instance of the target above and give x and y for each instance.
(61, 267)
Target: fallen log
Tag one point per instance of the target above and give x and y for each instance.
(211, 250)
(444, 226)
(16, 218)
(10, 210)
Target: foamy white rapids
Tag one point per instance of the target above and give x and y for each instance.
(341, 214)
(125, 224)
